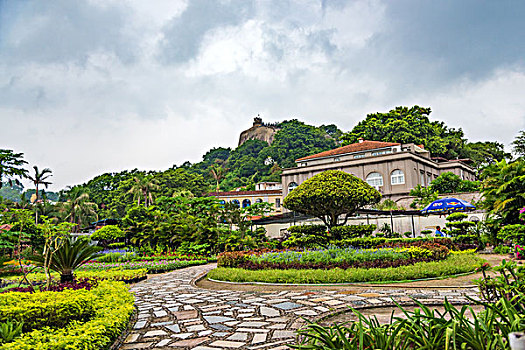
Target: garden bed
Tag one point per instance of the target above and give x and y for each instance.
(72, 319)
(453, 265)
(150, 266)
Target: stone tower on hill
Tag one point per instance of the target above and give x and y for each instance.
(259, 131)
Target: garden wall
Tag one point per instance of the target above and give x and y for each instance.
(401, 223)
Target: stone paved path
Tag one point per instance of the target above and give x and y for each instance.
(174, 314)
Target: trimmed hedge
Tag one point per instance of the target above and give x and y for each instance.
(47, 309)
(352, 231)
(113, 306)
(303, 236)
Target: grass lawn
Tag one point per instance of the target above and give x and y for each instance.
(452, 265)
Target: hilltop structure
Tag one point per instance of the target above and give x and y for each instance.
(259, 131)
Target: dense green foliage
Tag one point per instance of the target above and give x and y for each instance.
(449, 182)
(11, 167)
(454, 264)
(412, 125)
(519, 144)
(503, 188)
(94, 318)
(329, 195)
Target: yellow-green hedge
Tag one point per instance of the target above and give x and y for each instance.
(113, 305)
(53, 309)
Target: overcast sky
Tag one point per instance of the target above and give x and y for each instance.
(90, 86)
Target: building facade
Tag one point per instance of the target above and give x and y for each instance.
(392, 168)
(246, 198)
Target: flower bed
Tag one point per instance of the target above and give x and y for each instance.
(78, 319)
(150, 266)
(127, 276)
(452, 265)
(334, 258)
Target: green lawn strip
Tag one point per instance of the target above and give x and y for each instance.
(453, 265)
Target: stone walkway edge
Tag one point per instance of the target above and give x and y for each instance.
(173, 313)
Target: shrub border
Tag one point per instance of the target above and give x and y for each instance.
(348, 283)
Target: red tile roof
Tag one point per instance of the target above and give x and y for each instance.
(354, 147)
(244, 193)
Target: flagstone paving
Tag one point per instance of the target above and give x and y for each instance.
(174, 314)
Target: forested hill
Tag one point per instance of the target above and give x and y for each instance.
(254, 161)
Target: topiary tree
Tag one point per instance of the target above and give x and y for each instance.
(330, 195)
(107, 234)
(457, 224)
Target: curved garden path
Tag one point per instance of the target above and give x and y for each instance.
(175, 314)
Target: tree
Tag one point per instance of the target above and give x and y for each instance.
(424, 196)
(78, 209)
(217, 172)
(296, 139)
(142, 188)
(68, 255)
(331, 194)
(448, 182)
(11, 167)
(519, 144)
(107, 234)
(409, 125)
(503, 189)
(485, 153)
(39, 178)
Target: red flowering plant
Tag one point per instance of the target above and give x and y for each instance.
(519, 251)
(522, 214)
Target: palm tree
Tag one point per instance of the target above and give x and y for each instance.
(78, 209)
(217, 172)
(142, 189)
(40, 178)
(68, 257)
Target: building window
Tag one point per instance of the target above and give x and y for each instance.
(378, 153)
(236, 203)
(277, 203)
(374, 179)
(422, 177)
(397, 177)
(258, 200)
(246, 203)
(357, 156)
(292, 186)
(429, 178)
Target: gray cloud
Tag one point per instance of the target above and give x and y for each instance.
(183, 35)
(105, 85)
(60, 31)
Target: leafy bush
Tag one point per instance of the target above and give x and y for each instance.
(47, 309)
(9, 330)
(150, 266)
(457, 216)
(107, 233)
(502, 249)
(70, 255)
(113, 306)
(466, 239)
(352, 231)
(453, 265)
(513, 233)
(307, 236)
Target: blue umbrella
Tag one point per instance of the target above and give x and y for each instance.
(447, 205)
